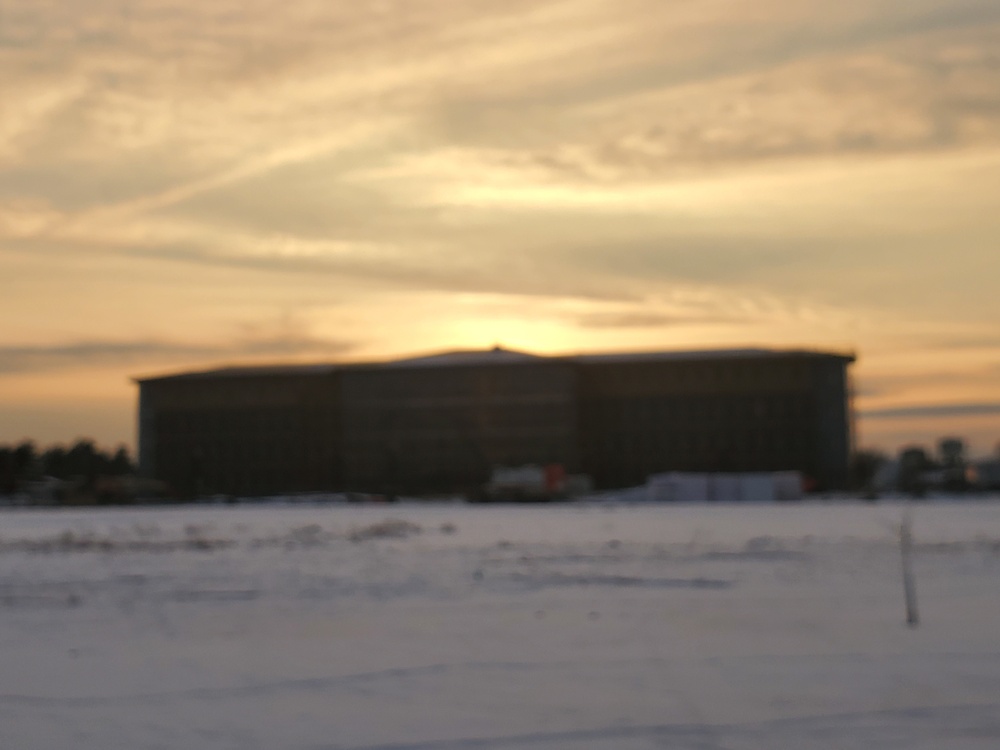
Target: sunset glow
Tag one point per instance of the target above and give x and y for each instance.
(185, 185)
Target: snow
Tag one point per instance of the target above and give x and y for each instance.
(590, 625)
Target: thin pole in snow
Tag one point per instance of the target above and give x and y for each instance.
(906, 553)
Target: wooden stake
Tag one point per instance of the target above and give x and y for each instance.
(909, 586)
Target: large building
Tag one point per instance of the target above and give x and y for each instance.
(442, 423)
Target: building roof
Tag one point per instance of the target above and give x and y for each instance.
(246, 371)
(469, 357)
(494, 356)
(705, 354)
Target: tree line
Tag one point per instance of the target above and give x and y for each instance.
(82, 462)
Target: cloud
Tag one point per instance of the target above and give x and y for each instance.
(21, 359)
(932, 410)
(645, 320)
(986, 342)
(818, 170)
(878, 391)
(268, 117)
(923, 96)
(658, 85)
(689, 306)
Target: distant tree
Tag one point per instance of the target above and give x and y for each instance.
(913, 464)
(865, 465)
(82, 460)
(87, 468)
(121, 462)
(54, 462)
(26, 460)
(8, 477)
(954, 463)
(18, 464)
(951, 451)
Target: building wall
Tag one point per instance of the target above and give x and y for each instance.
(443, 429)
(395, 428)
(771, 413)
(242, 435)
(834, 424)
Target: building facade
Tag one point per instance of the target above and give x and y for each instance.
(443, 423)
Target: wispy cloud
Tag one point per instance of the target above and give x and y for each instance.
(647, 320)
(923, 411)
(20, 359)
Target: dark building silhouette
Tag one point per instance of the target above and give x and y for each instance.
(442, 423)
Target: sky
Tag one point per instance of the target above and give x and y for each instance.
(187, 184)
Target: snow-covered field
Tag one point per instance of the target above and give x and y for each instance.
(453, 626)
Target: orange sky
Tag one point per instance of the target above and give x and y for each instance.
(189, 184)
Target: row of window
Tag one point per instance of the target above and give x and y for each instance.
(459, 420)
(519, 415)
(735, 373)
(465, 383)
(657, 409)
